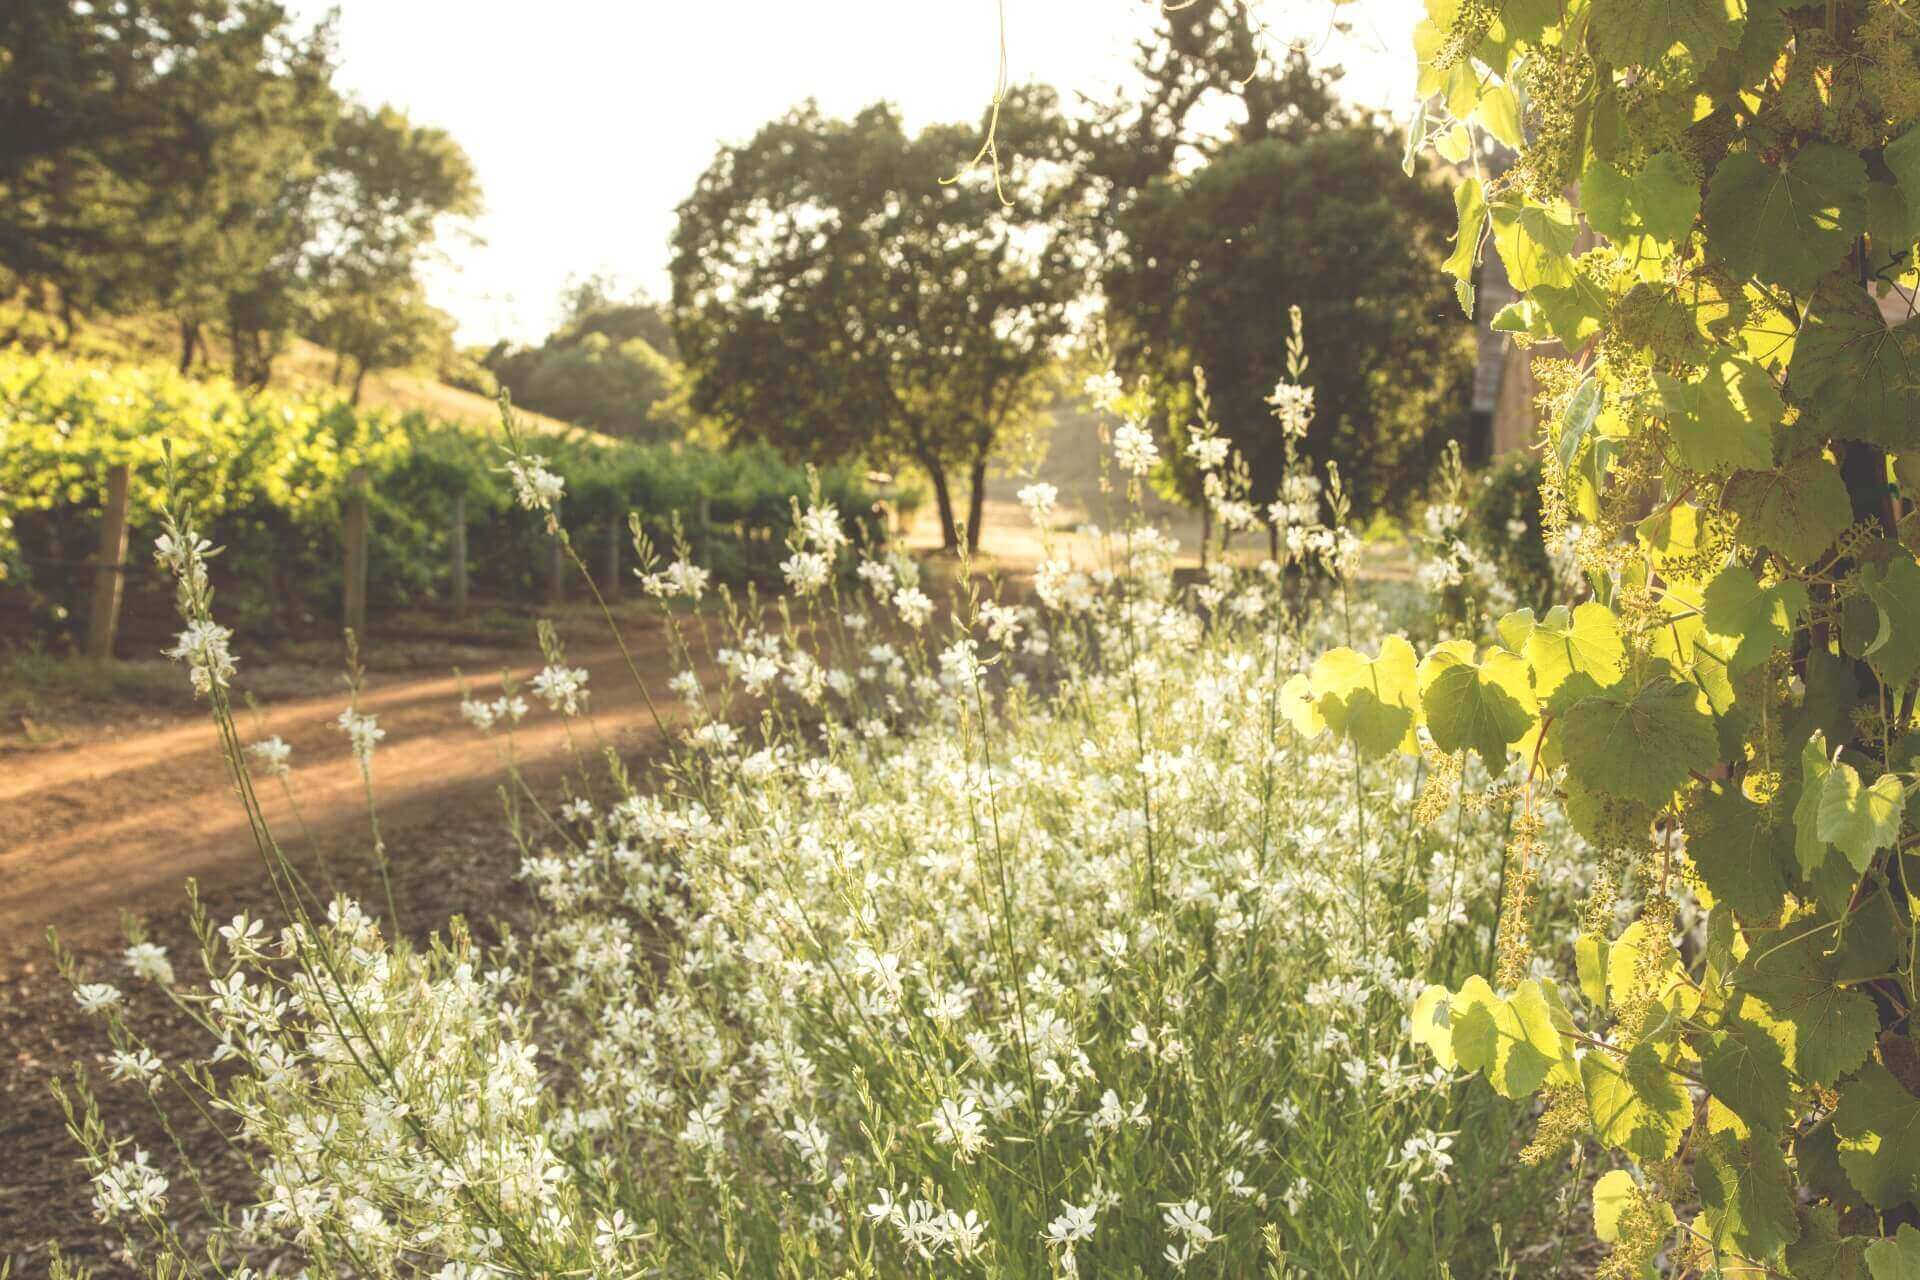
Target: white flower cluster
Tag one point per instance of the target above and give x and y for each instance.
(1134, 450)
(507, 709)
(1293, 406)
(272, 756)
(562, 688)
(534, 487)
(363, 732)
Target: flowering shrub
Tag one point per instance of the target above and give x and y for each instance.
(958, 935)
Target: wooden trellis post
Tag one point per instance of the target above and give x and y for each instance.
(110, 569)
(354, 537)
(459, 533)
(614, 530)
(556, 571)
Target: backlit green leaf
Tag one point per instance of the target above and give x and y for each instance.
(1786, 225)
(1833, 1026)
(1797, 510)
(1369, 701)
(1879, 1126)
(1860, 820)
(1894, 590)
(1747, 1194)
(1897, 1258)
(1584, 641)
(1661, 200)
(1535, 242)
(1640, 32)
(1722, 418)
(1740, 850)
(1636, 1106)
(1479, 706)
(1640, 741)
(1757, 619)
(1854, 376)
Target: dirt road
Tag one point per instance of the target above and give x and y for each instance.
(122, 816)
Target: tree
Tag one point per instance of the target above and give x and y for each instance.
(152, 154)
(385, 188)
(1328, 223)
(390, 330)
(608, 366)
(833, 295)
(193, 157)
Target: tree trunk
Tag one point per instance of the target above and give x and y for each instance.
(943, 500)
(976, 503)
(359, 382)
(189, 344)
(67, 322)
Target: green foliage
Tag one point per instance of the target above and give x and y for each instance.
(609, 366)
(267, 475)
(195, 159)
(1326, 222)
(1731, 425)
(834, 295)
(1503, 523)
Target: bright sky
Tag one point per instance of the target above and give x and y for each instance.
(590, 120)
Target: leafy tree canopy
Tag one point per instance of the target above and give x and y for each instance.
(835, 295)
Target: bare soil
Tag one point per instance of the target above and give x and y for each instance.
(108, 808)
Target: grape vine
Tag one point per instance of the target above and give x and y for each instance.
(1711, 221)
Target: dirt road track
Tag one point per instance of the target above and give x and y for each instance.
(122, 818)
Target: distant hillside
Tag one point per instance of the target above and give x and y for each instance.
(303, 366)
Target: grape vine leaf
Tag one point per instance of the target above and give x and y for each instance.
(1640, 32)
(1747, 1194)
(1643, 960)
(1612, 1193)
(1432, 1023)
(1745, 1070)
(1482, 706)
(1821, 1252)
(1722, 418)
(1903, 157)
(1511, 1040)
(1859, 820)
(1797, 510)
(1855, 377)
(1896, 1258)
(1582, 411)
(1499, 113)
(1756, 619)
(1514, 628)
(1299, 707)
(1585, 641)
(1894, 590)
(1369, 701)
(1574, 311)
(1833, 1026)
(1786, 225)
(1636, 1106)
(1471, 205)
(1878, 1122)
(1741, 850)
(1535, 241)
(1661, 200)
(1640, 741)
